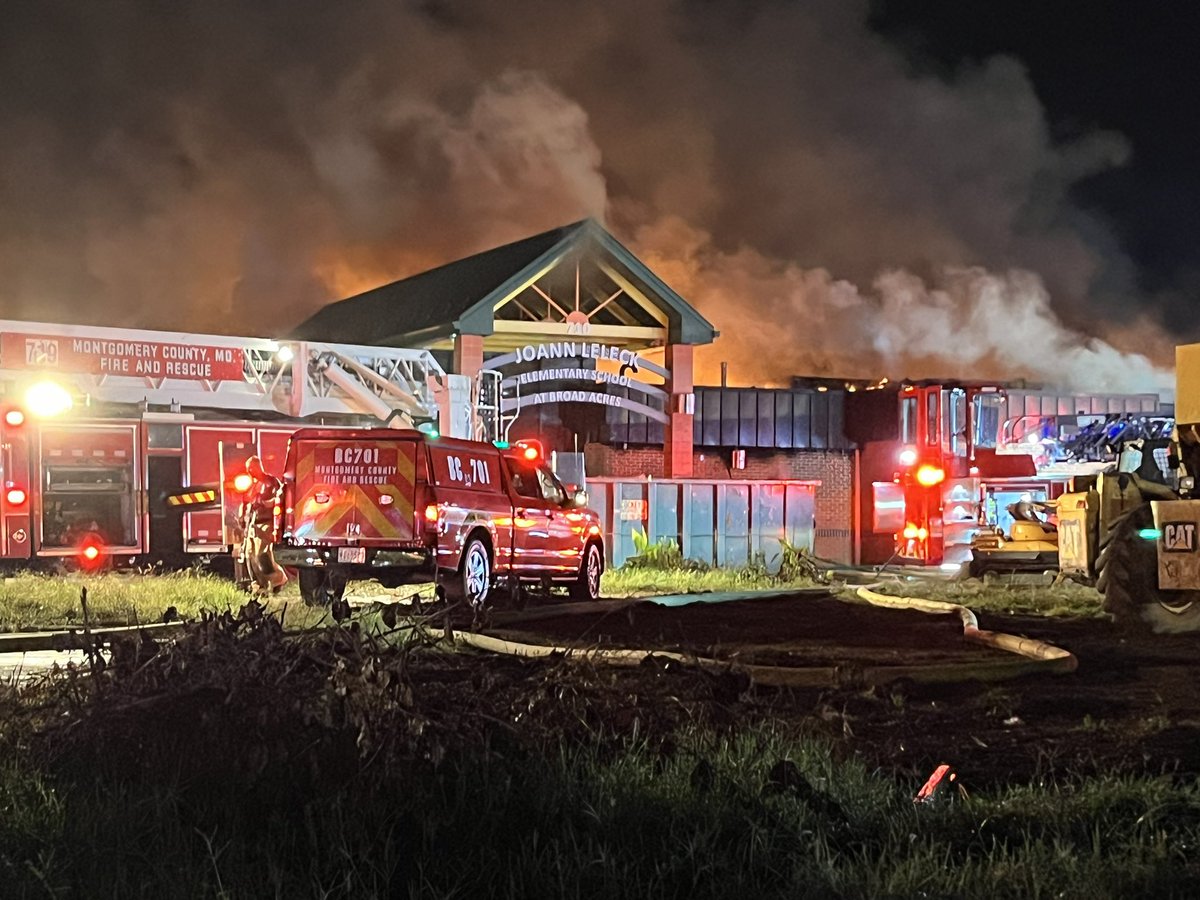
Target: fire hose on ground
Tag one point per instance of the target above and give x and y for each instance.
(1033, 656)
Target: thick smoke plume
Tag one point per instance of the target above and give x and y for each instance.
(230, 167)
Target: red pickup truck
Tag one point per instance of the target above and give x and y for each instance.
(402, 508)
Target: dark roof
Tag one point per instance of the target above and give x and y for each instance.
(461, 296)
(408, 306)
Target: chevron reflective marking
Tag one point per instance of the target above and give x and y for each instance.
(305, 464)
(325, 509)
(191, 498)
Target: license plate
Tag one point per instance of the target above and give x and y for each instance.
(352, 554)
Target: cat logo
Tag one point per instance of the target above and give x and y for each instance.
(1179, 537)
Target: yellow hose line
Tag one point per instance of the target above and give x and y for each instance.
(513, 648)
(775, 675)
(1038, 656)
(1059, 660)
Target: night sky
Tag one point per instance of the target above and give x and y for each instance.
(1130, 68)
(844, 187)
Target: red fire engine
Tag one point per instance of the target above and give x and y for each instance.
(101, 425)
(941, 460)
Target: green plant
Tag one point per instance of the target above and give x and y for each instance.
(662, 554)
(797, 563)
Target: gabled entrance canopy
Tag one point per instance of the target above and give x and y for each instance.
(572, 292)
(573, 282)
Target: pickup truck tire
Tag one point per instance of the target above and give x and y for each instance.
(587, 585)
(472, 582)
(321, 587)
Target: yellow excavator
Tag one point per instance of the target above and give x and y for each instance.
(1137, 531)
(1031, 544)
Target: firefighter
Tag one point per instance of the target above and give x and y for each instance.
(258, 524)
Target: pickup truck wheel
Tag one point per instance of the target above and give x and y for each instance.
(587, 585)
(321, 587)
(473, 580)
(314, 587)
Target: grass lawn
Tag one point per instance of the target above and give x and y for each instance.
(30, 602)
(1066, 599)
(343, 770)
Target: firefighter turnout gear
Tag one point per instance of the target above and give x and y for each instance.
(257, 517)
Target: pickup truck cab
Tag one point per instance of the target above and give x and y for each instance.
(402, 507)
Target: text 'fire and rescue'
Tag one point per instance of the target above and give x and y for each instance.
(356, 474)
(154, 360)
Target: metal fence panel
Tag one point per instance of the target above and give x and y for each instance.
(767, 524)
(664, 511)
(721, 523)
(733, 536)
(800, 505)
(629, 512)
(698, 523)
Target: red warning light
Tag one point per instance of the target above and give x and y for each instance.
(242, 482)
(91, 554)
(928, 475)
(530, 449)
(15, 496)
(14, 418)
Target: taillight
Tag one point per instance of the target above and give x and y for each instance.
(15, 496)
(432, 513)
(91, 554)
(928, 475)
(914, 532)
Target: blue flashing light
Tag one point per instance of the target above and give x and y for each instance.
(1149, 534)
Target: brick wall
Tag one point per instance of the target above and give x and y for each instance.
(834, 469)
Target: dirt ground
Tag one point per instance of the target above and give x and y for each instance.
(1133, 705)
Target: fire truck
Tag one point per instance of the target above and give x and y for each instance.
(103, 429)
(942, 461)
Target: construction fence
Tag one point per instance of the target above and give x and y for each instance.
(719, 523)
